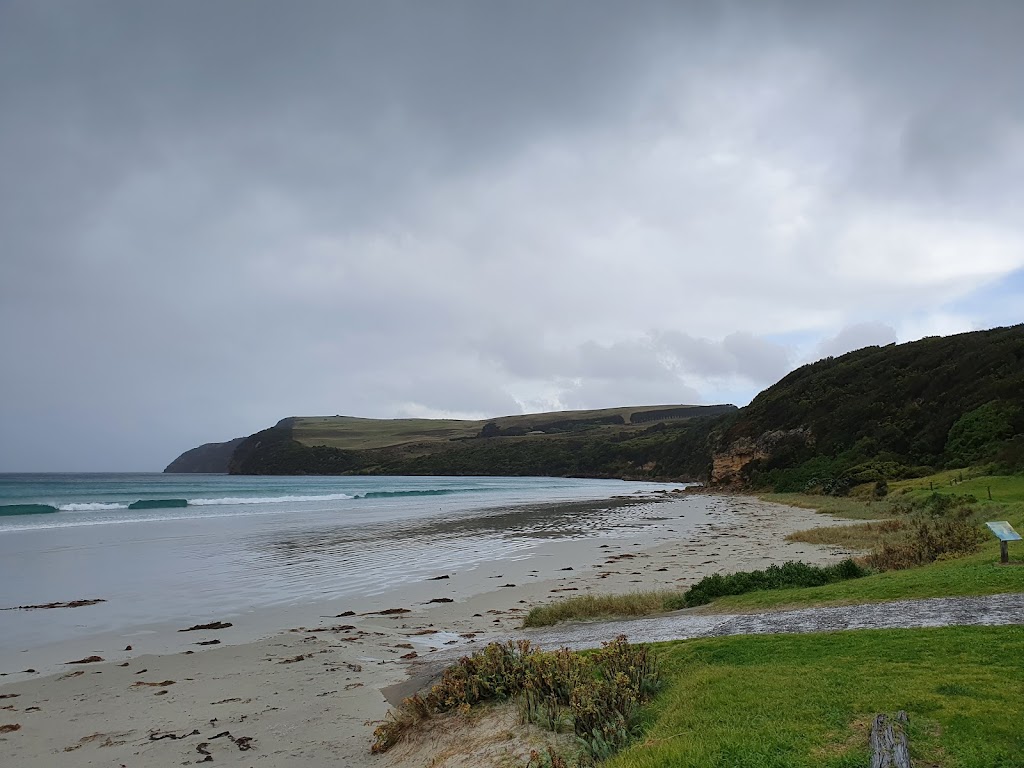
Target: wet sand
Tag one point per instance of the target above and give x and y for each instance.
(311, 695)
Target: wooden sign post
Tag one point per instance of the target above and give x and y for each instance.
(1005, 533)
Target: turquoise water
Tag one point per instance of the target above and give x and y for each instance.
(224, 545)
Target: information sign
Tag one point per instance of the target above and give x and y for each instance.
(1004, 531)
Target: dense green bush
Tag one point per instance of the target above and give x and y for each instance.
(791, 574)
(950, 534)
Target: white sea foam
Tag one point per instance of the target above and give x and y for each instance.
(90, 507)
(267, 499)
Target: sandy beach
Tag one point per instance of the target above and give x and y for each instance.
(311, 694)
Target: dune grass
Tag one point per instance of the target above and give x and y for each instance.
(848, 507)
(860, 536)
(585, 607)
(797, 701)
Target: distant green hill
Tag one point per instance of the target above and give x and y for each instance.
(881, 413)
(667, 441)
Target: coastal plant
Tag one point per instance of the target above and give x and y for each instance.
(597, 696)
(639, 603)
(929, 540)
(549, 758)
(790, 574)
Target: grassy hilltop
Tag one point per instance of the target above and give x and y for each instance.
(353, 433)
(667, 441)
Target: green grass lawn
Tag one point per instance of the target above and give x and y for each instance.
(1005, 489)
(789, 701)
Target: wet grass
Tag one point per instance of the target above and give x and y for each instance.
(807, 700)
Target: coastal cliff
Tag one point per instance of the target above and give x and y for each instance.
(882, 413)
(210, 458)
(728, 465)
(672, 444)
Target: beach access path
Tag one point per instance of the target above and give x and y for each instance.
(989, 610)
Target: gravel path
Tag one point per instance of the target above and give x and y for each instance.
(935, 612)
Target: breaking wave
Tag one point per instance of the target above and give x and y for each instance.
(143, 504)
(267, 499)
(423, 492)
(90, 507)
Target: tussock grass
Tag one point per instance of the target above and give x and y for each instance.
(597, 695)
(585, 607)
(841, 506)
(862, 536)
(797, 701)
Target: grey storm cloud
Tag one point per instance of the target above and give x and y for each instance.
(214, 215)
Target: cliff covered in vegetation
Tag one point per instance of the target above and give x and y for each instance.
(882, 413)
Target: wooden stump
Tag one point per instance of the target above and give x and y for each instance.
(889, 742)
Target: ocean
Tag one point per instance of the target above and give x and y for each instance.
(160, 549)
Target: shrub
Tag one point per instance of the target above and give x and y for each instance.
(929, 540)
(791, 574)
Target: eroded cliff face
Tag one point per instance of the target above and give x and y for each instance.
(727, 464)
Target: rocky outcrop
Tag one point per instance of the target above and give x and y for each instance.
(211, 458)
(728, 464)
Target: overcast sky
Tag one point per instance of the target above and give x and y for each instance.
(217, 214)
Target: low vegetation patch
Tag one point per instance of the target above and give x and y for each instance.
(597, 696)
(862, 536)
(604, 606)
(786, 576)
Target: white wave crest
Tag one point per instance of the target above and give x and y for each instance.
(89, 507)
(267, 499)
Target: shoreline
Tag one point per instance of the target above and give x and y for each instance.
(308, 695)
